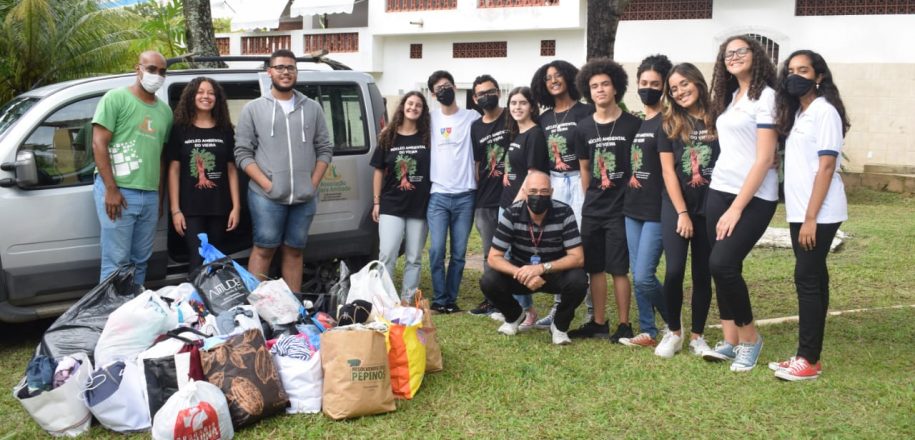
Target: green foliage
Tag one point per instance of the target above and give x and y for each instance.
(162, 27)
(47, 41)
(208, 158)
(703, 153)
(609, 160)
(410, 165)
(222, 25)
(636, 158)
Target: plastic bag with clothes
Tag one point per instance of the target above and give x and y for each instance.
(134, 327)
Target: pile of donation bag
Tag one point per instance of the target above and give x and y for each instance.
(204, 358)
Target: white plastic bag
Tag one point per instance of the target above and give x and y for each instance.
(118, 401)
(373, 284)
(303, 381)
(60, 411)
(133, 327)
(404, 315)
(275, 303)
(197, 411)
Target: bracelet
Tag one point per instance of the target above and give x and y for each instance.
(376, 204)
(682, 212)
(176, 212)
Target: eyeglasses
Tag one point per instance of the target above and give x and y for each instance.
(554, 77)
(484, 93)
(542, 191)
(281, 68)
(153, 69)
(738, 53)
(442, 87)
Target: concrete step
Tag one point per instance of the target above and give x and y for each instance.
(897, 183)
(889, 169)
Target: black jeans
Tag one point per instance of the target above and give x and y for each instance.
(675, 252)
(811, 279)
(215, 228)
(571, 285)
(726, 259)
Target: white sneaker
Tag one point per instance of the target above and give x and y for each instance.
(670, 345)
(496, 316)
(511, 328)
(698, 346)
(559, 338)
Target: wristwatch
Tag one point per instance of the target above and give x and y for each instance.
(547, 267)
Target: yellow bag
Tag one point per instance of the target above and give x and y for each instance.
(406, 357)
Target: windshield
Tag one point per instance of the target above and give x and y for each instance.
(13, 110)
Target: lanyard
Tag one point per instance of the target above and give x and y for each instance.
(535, 242)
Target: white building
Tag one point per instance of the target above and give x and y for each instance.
(868, 46)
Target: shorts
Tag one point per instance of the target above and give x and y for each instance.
(274, 223)
(604, 241)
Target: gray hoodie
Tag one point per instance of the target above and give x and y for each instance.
(284, 147)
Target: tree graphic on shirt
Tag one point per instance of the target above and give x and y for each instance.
(636, 161)
(604, 165)
(557, 147)
(202, 161)
(508, 169)
(404, 167)
(494, 153)
(695, 157)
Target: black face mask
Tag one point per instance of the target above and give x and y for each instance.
(798, 86)
(488, 102)
(446, 96)
(650, 96)
(539, 204)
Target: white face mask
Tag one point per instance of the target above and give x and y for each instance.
(151, 82)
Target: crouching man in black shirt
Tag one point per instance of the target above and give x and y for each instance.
(546, 256)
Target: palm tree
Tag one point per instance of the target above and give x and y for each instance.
(46, 41)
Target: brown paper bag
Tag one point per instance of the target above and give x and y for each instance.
(434, 360)
(357, 378)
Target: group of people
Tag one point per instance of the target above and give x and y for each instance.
(564, 192)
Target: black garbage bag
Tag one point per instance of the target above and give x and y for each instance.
(335, 296)
(78, 329)
(220, 285)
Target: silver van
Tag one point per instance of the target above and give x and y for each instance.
(49, 231)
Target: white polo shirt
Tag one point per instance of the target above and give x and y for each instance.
(816, 132)
(737, 137)
(451, 167)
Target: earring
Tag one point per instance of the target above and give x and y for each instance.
(818, 86)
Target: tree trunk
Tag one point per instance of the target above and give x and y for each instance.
(198, 25)
(603, 20)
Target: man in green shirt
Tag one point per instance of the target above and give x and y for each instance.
(130, 128)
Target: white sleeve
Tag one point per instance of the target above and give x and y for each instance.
(829, 131)
(765, 109)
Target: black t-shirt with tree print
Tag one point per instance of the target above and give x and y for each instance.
(607, 147)
(558, 128)
(526, 151)
(203, 155)
(406, 185)
(490, 142)
(694, 162)
(643, 190)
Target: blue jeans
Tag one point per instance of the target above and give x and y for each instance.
(645, 246)
(129, 239)
(446, 212)
(274, 223)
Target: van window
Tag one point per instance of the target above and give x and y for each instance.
(13, 110)
(62, 144)
(238, 94)
(344, 112)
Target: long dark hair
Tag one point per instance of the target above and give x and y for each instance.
(510, 123)
(786, 106)
(389, 134)
(762, 74)
(677, 121)
(542, 96)
(186, 109)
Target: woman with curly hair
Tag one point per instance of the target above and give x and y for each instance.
(401, 188)
(744, 188)
(688, 149)
(553, 87)
(602, 142)
(202, 178)
(810, 113)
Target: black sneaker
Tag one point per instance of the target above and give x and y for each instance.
(622, 331)
(590, 329)
(484, 309)
(452, 308)
(438, 308)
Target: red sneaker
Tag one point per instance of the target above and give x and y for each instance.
(799, 369)
(640, 340)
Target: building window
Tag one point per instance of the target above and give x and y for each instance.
(416, 51)
(223, 45)
(869, 7)
(485, 49)
(547, 48)
(419, 5)
(668, 10)
(770, 46)
(336, 43)
(265, 44)
(514, 3)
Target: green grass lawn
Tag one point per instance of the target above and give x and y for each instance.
(523, 387)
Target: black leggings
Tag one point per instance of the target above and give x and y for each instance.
(811, 279)
(215, 228)
(726, 260)
(675, 252)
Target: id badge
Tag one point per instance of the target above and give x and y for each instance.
(535, 259)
